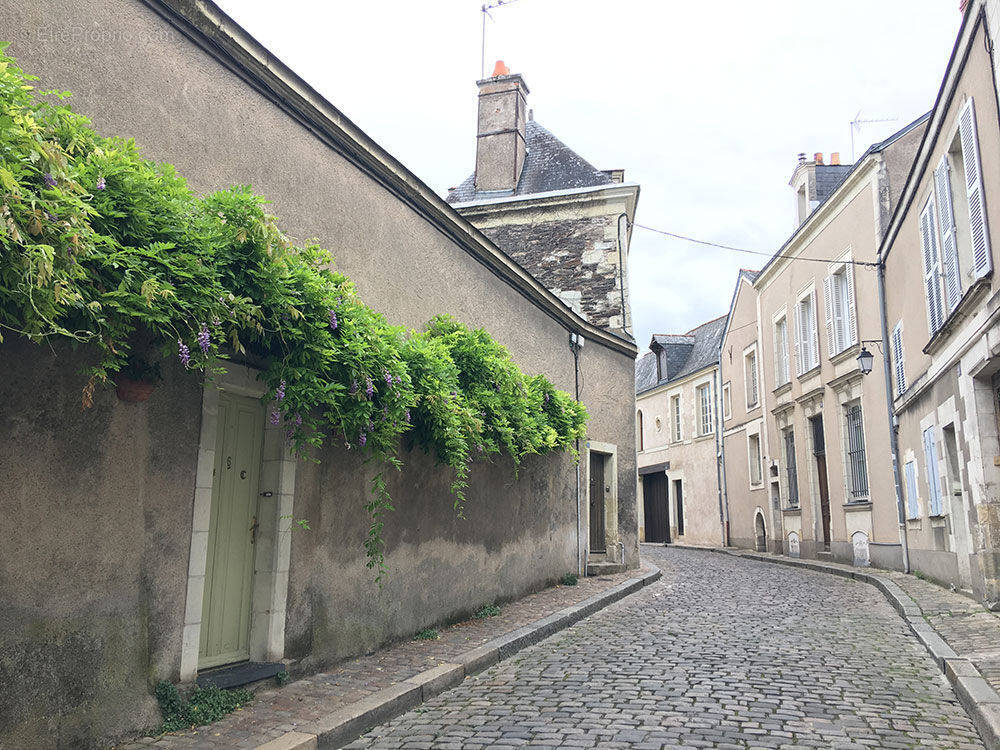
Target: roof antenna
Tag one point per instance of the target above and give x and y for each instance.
(487, 7)
(858, 121)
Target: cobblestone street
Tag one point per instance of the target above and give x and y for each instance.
(722, 652)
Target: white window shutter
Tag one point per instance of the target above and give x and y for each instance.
(814, 352)
(933, 482)
(829, 291)
(897, 358)
(797, 338)
(851, 313)
(981, 258)
(949, 246)
(932, 280)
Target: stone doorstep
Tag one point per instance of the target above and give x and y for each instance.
(347, 723)
(976, 695)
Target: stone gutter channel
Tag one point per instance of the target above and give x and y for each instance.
(346, 724)
(974, 692)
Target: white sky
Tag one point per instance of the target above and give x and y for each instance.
(705, 104)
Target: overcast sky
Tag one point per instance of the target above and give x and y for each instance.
(706, 105)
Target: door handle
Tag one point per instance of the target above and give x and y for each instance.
(253, 530)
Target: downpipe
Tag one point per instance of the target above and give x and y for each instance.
(575, 343)
(893, 427)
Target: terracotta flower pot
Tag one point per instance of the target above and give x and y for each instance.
(133, 391)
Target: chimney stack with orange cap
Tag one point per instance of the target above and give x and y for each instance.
(500, 137)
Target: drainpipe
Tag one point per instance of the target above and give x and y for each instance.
(621, 267)
(719, 406)
(893, 428)
(575, 342)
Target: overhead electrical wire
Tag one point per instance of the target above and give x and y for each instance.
(763, 253)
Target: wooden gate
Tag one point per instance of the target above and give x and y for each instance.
(656, 514)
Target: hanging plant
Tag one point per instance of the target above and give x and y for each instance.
(107, 249)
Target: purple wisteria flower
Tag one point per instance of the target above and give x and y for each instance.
(216, 322)
(50, 217)
(407, 416)
(183, 353)
(371, 426)
(333, 320)
(354, 387)
(298, 420)
(275, 417)
(49, 180)
(204, 338)
(388, 378)
(100, 184)
(279, 394)
(362, 439)
(399, 380)
(370, 387)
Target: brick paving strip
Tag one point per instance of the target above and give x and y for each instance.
(334, 708)
(960, 634)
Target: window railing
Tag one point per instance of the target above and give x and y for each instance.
(856, 454)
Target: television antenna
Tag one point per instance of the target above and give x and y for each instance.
(487, 7)
(858, 121)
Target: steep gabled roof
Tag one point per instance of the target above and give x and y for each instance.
(686, 354)
(549, 164)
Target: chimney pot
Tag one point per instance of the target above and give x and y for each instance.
(818, 157)
(802, 157)
(500, 69)
(835, 157)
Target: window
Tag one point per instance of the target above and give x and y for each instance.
(638, 429)
(806, 338)
(705, 409)
(675, 410)
(755, 459)
(841, 316)
(727, 401)
(899, 372)
(945, 245)
(912, 505)
(791, 469)
(857, 467)
(933, 477)
(750, 382)
(781, 374)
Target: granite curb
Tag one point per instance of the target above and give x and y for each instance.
(347, 723)
(976, 695)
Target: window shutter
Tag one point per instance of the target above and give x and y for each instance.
(981, 258)
(912, 509)
(949, 247)
(797, 338)
(928, 245)
(785, 373)
(933, 483)
(850, 313)
(814, 339)
(897, 358)
(829, 291)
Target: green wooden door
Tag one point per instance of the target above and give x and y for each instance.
(225, 625)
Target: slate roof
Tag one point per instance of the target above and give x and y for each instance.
(549, 164)
(686, 354)
(829, 177)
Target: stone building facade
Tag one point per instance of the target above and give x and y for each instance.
(108, 510)
(942, 311)
(677, 434)
(565, 221)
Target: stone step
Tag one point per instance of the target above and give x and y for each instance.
(604, 568)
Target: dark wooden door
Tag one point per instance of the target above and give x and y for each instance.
(679, 498)
(655, 511)
(597, 543)
(819, 451)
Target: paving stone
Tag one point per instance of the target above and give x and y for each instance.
(722, 652)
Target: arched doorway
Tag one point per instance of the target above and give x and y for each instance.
(761, 532)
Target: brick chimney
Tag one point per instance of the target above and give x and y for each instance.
(500, 139)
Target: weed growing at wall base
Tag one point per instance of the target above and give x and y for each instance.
(204, 706)
(109, 250)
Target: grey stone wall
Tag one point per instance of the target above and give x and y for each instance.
(573, 258)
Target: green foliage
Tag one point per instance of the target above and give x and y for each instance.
(282, 678)
(487, 610)
(568, 579)
(205, 705)
(427, 634)
(105, 248)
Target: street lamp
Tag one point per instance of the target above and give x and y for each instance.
(865, 360)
